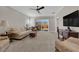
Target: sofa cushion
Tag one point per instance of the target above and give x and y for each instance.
(73, 40)
(3, 37)
(71, 45)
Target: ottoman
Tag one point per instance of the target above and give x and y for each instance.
(32, 34)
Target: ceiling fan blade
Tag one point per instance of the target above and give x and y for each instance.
(38, 8)
(41, 8)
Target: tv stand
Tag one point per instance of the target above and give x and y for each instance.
(73, 34)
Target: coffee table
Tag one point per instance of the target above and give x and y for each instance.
(32, 34)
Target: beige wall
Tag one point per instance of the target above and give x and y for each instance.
(13, 17)
(30, 21)
(66, 10)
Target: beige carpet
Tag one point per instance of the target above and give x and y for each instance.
(44, 42)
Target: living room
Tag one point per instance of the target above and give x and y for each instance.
(28, 28)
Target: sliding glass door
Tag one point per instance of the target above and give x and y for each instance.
(42, 24)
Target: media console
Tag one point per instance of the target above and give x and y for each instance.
(73, 34)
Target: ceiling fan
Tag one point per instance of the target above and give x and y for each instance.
(38, 8)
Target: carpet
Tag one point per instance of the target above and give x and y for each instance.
(44, 42)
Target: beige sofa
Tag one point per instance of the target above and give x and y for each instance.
(17, 33)
(4, 43)
(69, 45)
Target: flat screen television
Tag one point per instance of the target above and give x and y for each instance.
(72, 19)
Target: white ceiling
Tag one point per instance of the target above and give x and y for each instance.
(47, 11)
